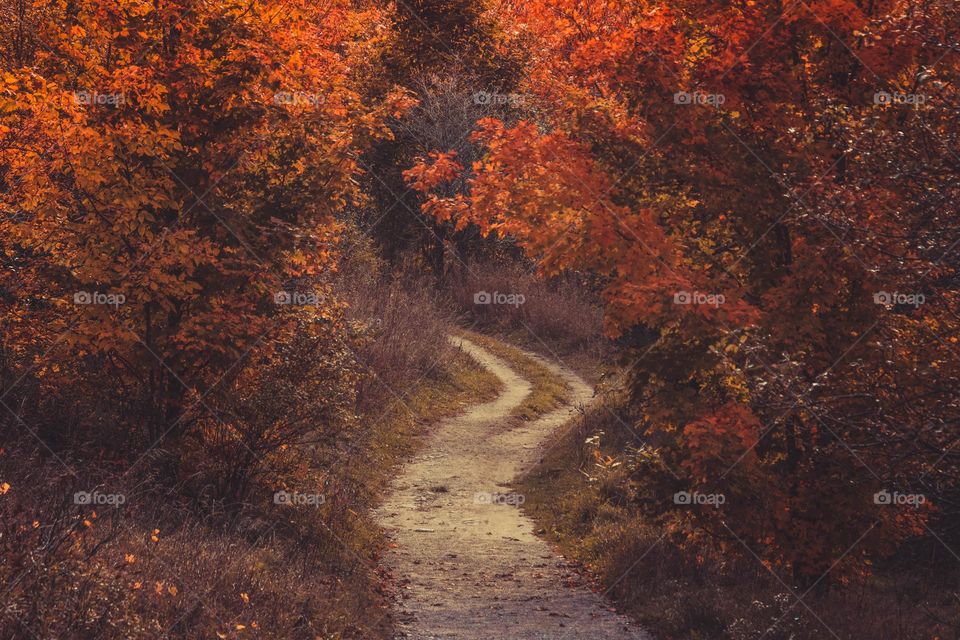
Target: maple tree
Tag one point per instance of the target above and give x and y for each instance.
(172, 181)
(765, 189)
(448, 54)
(171, 171)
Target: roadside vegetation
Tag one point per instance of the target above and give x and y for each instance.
(235, 234)
(161, 555)
(583, 497)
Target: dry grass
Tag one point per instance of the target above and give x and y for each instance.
(702, 592)
(403, 327)
(173, 562)
(548, 392)
(155, 567)
(558, 315)
(268, 571)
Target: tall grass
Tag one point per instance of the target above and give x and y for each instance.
(403, 323)
(561, 313)
(199, 548)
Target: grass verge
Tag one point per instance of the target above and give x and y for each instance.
(158, 566)
(698, 591)
(549, 391)
(397, 433)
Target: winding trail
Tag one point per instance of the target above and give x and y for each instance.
(470, 569)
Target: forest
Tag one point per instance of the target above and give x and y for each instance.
(499, 319)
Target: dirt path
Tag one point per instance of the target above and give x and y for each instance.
(472, 569)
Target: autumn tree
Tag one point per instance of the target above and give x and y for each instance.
(171, 175)
(452, 56)
(766, 189)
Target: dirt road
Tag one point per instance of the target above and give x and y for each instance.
(466, 558)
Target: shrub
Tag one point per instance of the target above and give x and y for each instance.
(560, 312)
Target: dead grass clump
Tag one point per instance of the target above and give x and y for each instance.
(560, 312)
(402, 326)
